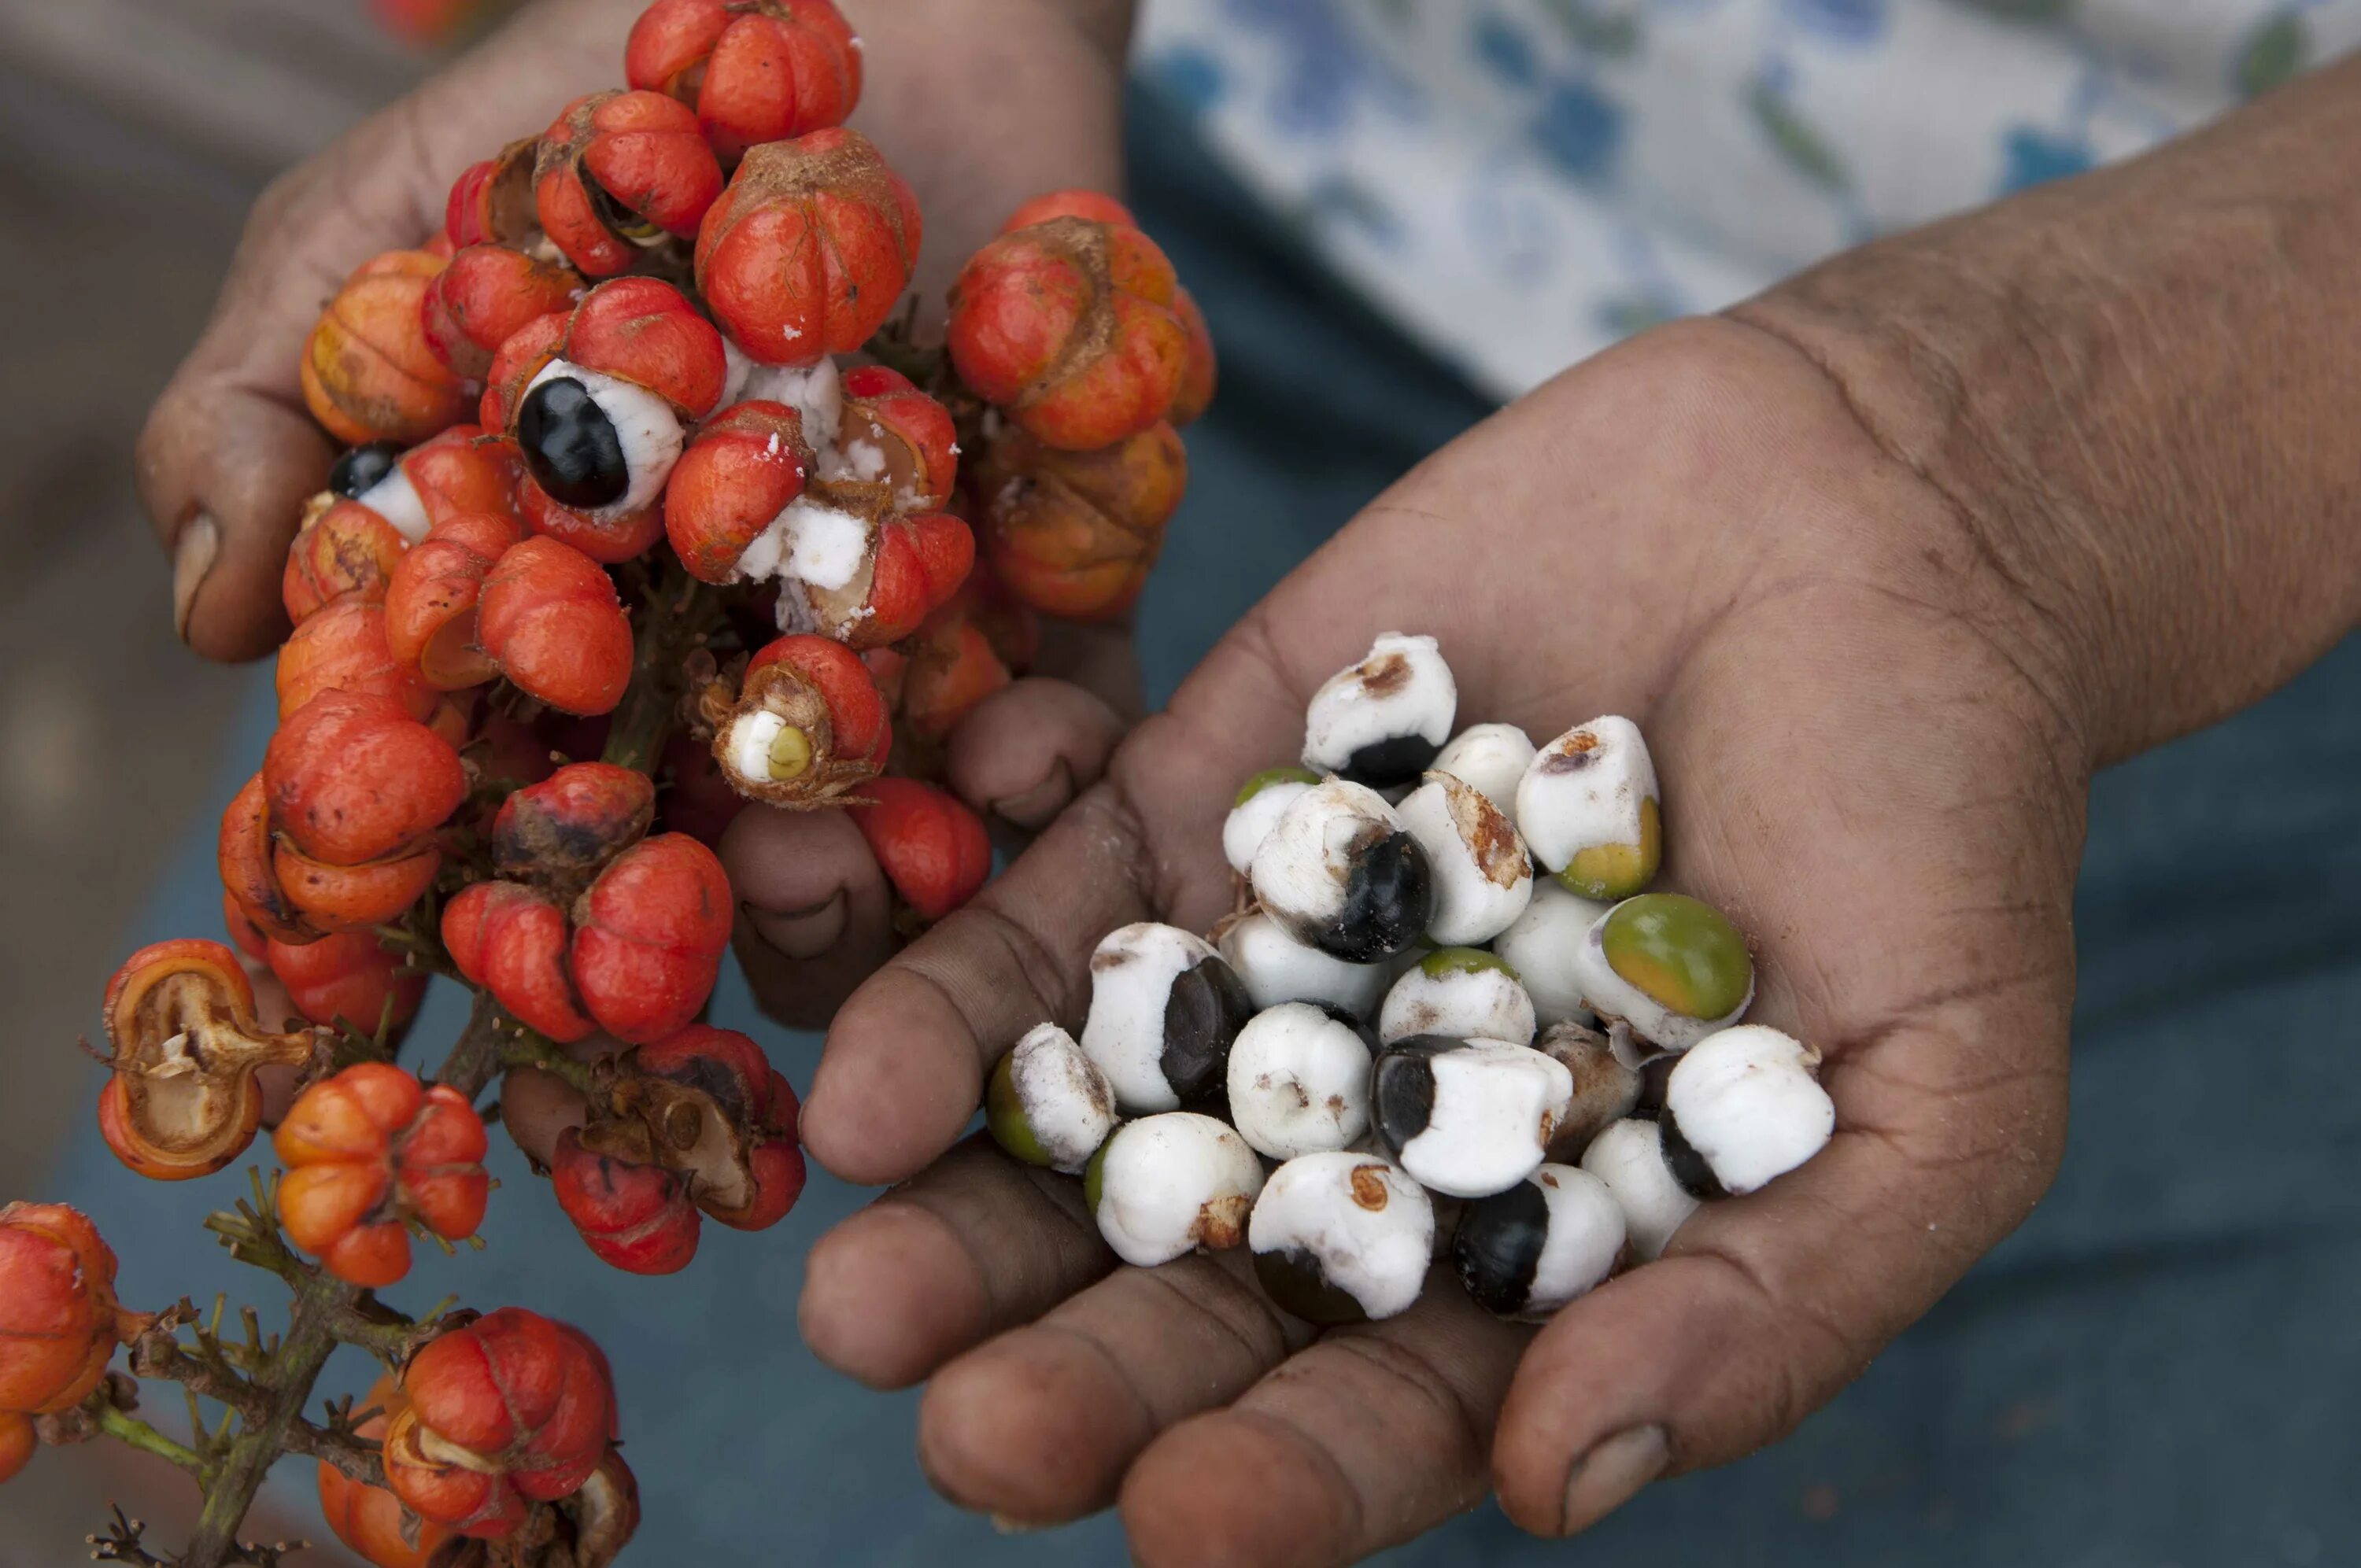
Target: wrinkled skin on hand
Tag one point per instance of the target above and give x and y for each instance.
(1868, 762)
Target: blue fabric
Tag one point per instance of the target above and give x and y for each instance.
(2157, 1368)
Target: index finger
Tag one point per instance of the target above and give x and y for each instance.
(906, 1059)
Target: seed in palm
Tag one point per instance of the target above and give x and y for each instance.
(1462, 992)
(1468, 1117)
(1742, 1108)
(1341, 873)
(1164, 1008)
(1528, 1251)
(1382, 721)
(1341, 1238)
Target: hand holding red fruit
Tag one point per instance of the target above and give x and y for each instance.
(224, 445)
(429, 628)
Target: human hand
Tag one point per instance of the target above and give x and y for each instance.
(230, 455)
(1868, 762)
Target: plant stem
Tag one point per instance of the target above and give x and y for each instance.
(126, 1428)
(477, 1053)
(532, 1050)
(675, 617)
(265, 1435)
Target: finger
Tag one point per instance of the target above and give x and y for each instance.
(1368, 1438)
(536, 1106)
(1027, 750)
(1923, 946)
(1039, 1425)
(906, 1059)
(974, 1244)
(1766, 1305)
(230, 454)
(903, 1070)
(815, 914)
(1104, 659)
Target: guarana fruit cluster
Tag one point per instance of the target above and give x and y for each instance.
(657, 498)
(1448, 1018)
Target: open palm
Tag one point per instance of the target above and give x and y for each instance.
(1694, 531)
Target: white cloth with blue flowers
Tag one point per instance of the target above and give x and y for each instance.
(1520, 182)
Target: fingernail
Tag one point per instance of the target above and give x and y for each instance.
(193, 554)
(1035, 806)
(800, 933)
(1605, 1478)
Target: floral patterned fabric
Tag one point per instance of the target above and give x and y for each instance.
(1520, 182)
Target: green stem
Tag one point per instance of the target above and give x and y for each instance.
(126, 1428)
(319, 1299)
(525, 1048)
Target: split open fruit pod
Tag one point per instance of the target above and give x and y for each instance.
(184, 1101)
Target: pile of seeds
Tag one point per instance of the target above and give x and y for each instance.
(1447, 1008)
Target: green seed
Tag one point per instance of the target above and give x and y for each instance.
(1684, 953)
(1095, 1175)
(791, 755)
(1463, 960)
(1609, 872)
(1269, 776)
(1004, 1117)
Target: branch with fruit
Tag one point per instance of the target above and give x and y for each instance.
(679, 560)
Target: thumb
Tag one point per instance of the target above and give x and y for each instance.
(230, 455)
(906, 1058)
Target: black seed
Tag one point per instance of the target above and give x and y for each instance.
(717, 1083)
(1655, 1075)
(1497, 1248)
(1389, 897)
(571, 445)
(363, 466)
(1687, 1166)
(1401, 1090)
(1295, 1282)
(615, 218)
(1350, 1021)
(1203, 1014)
(1396, 760)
